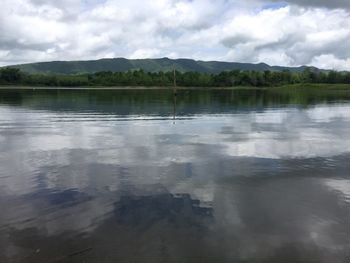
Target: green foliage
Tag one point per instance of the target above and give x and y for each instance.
(12, 76)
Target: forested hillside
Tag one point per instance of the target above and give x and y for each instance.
(147, 65)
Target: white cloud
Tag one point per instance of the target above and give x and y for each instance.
(331, 62)
(145, 53)
(288, 36)
(37, 30)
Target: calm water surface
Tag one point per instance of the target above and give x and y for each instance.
(239, 176)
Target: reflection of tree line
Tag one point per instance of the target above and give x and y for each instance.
(161, 102)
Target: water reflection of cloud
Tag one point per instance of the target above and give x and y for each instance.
(274, 134)
(266, 182)
(248, 220)
(341, 186)
(134, 221)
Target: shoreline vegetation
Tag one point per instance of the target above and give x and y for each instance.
(333, 87)
(139, 79)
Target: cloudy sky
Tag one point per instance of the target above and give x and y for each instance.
(292, 32)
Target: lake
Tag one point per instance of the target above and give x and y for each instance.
(206, 176)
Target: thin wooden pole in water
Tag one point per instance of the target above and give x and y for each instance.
(174, 79)
(174, 95)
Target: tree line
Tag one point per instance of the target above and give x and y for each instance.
(13, 76)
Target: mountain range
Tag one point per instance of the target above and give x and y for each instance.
(149, 65)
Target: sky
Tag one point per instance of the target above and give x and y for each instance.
(285, 33)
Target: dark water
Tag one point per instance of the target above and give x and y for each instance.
(239, 176)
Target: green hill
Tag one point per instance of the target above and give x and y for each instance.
(149, 65)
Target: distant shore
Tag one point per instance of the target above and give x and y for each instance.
(294, 86)
(128, 88)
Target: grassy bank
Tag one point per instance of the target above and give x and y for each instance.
(316, 86)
